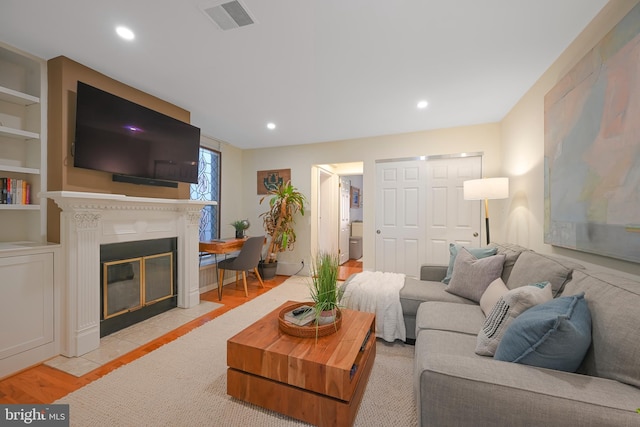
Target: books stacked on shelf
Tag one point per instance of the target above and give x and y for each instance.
(15, 191)
(300, 316)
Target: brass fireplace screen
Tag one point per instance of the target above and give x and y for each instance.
(133, 283)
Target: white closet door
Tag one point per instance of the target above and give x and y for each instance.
(450, 218)
(400, 212)
(420, 210)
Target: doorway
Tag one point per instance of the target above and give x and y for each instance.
(331, 207)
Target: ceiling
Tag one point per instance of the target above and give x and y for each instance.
(321, 70)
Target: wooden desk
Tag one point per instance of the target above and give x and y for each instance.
(221, 247)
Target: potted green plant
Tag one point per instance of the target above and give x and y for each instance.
(284, 203)
(240, 225)
(325, 292)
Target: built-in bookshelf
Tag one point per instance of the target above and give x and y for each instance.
(23, 118)
(29, 299)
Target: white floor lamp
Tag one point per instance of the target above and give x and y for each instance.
(485, 189)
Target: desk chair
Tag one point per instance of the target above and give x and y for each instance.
(246, 260)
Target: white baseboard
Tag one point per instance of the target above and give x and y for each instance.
(291, 269)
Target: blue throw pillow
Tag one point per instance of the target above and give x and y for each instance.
(476, 252)
(554, 335)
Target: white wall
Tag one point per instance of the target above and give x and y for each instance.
(301, 158)
(514, 147)
(522, 135)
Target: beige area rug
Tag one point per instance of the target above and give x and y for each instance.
(183, 383)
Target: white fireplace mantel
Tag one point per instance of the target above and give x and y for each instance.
(89, 220)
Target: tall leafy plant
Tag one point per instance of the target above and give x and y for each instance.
(285, 202)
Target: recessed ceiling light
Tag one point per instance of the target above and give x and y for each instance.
(271, 125)
(422, 104)
(125, 33)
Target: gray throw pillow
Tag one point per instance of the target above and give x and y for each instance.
(476, 252)
(471, 276)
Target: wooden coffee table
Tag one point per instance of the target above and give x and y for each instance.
(317, 381)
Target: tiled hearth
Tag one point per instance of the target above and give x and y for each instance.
(128, 339)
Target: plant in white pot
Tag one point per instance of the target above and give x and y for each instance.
(285, 202)
(325, 292)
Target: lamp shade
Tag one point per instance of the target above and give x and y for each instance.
(486, 188)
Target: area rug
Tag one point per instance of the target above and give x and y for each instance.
(183, 383)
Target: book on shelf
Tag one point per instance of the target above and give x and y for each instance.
(15, 191)
(300, 316)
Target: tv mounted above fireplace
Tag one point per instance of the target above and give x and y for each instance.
(134, 143)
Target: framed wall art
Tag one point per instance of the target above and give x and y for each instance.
(355, 197)
(271, 179)
(592, 149)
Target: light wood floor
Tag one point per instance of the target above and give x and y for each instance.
(42, 384)
(348, 268)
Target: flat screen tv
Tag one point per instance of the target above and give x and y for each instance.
(134, 143)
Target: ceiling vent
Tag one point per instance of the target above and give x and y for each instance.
(229, 14)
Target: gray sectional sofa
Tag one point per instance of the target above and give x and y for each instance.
(456, 387)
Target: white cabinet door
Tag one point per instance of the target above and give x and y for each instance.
(26, 303)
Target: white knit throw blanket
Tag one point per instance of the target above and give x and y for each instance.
(379, 293)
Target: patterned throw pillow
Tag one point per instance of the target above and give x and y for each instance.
(471, 276)
(508, 307)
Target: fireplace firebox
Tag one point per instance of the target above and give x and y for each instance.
(138, 280)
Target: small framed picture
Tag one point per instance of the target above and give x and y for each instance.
(270, 180)
(355, 197)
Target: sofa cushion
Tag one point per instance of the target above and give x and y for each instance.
(509, 307)
(415, 292)
(433, 272)
(492, 294)
(471, 276)
(554, 335)
(453, 253)
(511, 252)
(449, 316)
(532, 267)
(454, 386)
(614, 302)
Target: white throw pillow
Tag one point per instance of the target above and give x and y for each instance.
(490, 297)
(508, 307)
